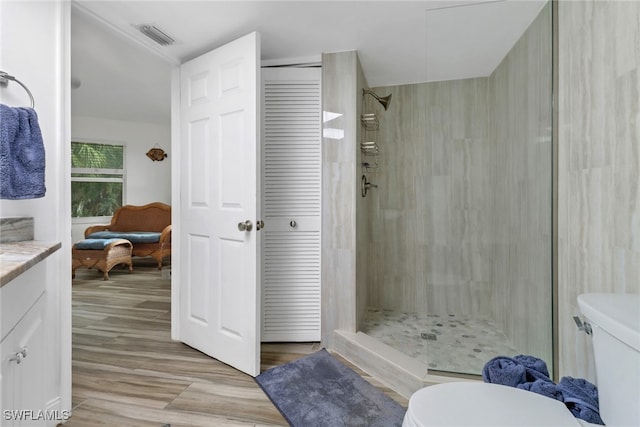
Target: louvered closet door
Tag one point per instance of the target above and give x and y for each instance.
(291, 204)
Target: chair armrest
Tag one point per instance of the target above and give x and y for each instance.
(165, 236)
(95, 228)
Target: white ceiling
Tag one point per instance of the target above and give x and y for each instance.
(126, 76)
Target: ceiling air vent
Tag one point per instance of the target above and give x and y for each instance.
(156, 35)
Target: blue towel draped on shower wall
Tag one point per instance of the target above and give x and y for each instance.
(22, 156)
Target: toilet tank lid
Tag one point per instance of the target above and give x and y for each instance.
(618, 314)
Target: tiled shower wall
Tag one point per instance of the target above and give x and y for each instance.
(461, 220)
(599, 162)
(342, 83)
(430, 219)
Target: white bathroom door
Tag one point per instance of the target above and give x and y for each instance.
(292, 126)
(219, 283)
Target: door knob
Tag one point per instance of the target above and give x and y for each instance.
(293, 224)
(245, 226)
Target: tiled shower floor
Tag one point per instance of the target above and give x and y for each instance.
(451, 343)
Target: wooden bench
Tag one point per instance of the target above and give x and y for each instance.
(147, 227)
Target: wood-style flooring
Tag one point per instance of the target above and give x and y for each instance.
(128, 372)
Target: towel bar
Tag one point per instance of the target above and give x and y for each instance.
(4, 82)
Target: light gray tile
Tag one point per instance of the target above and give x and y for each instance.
(599, 162)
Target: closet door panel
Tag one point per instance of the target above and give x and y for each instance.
(291, 204)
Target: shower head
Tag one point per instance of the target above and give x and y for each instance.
(384, 101)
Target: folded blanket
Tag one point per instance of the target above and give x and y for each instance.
(22, 156)
(581, 398)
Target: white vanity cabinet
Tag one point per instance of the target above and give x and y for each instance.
(24, 363)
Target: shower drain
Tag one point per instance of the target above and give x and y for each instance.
(428, 336)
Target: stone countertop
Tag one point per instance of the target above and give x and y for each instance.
(18, 257)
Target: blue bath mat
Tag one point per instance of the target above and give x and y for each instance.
(318, 390)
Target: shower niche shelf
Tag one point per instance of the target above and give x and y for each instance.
(368, 145)
(370, 148)
(370, 126)
(370, 121)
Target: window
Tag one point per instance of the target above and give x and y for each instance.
(97, 179)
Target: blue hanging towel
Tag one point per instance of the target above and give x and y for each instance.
(22, 156)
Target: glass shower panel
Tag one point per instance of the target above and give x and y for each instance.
(460, 235)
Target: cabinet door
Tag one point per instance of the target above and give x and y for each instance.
(23, 363)
(30, 373)
(292, 120)
(7, 373)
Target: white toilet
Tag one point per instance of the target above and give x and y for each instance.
(615, 323)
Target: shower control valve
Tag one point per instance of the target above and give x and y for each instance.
(365, 186)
